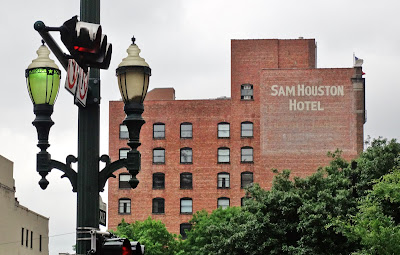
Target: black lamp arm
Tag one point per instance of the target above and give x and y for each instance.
(132, 163)
(43, 30)
(45, 164)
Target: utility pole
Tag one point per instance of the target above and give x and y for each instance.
(88, 147)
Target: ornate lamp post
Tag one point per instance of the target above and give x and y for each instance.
(43, 80)
(133, 80)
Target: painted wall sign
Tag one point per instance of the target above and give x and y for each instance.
(302, 90)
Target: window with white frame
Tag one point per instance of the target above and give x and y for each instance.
(124, 181)
(186, 156)
(123, 132)
(246, 92)
(186, 205)
(223, 155)
(223, 130)
(158, 130)
(223, 180)
(246, 154)
(246, 129)
(223, 202)
(159, 156)
(186, 130)
(123, 153)
(124, 206)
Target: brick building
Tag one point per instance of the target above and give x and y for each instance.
(283, 113)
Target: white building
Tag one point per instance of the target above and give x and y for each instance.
(22, 231)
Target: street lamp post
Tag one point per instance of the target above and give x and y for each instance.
(43, 79)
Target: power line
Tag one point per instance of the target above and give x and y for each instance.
(42, 237)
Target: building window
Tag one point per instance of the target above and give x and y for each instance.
(159, 131)
(123, 153)
(186, 156)
(186, 205)
(123, 132)
(158, 181)
(22, 236)
(27, 239)
(246, 178)
(223, 180)
(246, 129)
(186, 181)
(158, 205)
(31, 239)
(246, 92)
(246, 154)
(243, 200)
(223, 155)
(159, 156)
(124, 206)
(124, 181)
(186, 130)
(223, 130)
(223, 202)
(184, 228)
(40, 242)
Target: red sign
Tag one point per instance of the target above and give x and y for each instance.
(71, 80)
(77, 82)
(83, 86)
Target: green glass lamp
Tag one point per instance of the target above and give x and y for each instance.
(43, 82)
(43, 78)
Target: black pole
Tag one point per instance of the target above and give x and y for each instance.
(88, 147)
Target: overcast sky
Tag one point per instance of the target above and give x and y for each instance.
(187, 45)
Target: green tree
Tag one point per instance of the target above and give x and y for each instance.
(151, 233)
(290, 218)
(206, 227)
(295, 216)
(379, 159)
(332, 211)
(376, 224)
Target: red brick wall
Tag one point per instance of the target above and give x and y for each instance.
(250, 56)
(161, 94)
(283, 139)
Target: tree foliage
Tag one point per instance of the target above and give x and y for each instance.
(344, 208)
(151, 233)
(206, 229)
(376, 223)
(295, 216)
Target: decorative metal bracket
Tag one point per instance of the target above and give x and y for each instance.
(45, 164)
(109, 169)
(132, 163)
